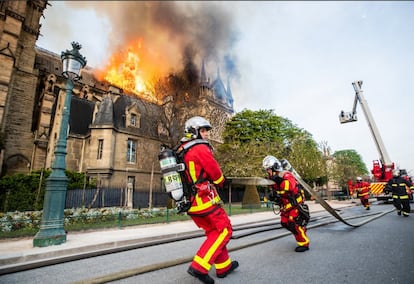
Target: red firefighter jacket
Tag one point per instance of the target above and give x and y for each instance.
(362, 188)
(288, 191)
(203, 170)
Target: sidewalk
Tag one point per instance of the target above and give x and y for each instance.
(20, 251)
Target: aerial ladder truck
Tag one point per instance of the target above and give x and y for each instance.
(382, 168)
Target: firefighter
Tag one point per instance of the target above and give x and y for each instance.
(397, 185)
(285, 192)
(362, 189)
(205, 175)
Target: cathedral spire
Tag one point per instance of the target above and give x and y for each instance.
(204, 82)
(203, 73)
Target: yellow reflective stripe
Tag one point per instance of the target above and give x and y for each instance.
(192, 171)
(202, 262)
(219, 180)
(400, 197)
(201, 206)
(362, 194)
(302, 232)
(216, 244)
(223, 264)
(288, 205)
(286, 185)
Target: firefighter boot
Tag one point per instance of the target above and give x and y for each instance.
(205, 278)
(301, 249)
(234, 265)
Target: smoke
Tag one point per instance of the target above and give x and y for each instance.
(168, 29)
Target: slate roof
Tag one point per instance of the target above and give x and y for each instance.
(81, 113)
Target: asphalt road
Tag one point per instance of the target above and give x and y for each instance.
(381, 251)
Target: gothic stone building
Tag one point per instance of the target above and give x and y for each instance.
(113, 136)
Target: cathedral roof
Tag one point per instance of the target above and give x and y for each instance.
(219, 89)
(81, 111)
(105, 114)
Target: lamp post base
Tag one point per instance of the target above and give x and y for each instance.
(51, 230)
(49, 237)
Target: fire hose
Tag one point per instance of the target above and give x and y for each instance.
(322, 202)
(313, 193)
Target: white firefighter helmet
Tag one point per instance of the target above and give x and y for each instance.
(270, 162)
(192, 127)
(396, 173)
(359, 179)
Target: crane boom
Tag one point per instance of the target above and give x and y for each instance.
(344, 117)
(385, 159)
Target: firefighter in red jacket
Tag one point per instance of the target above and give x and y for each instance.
(204, 173)
(286, 193)
(362, 189)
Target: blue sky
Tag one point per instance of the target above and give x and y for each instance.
(297, 58)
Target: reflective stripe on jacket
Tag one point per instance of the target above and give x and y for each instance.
(287, 190)
(204, 172)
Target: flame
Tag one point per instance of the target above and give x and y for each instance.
(133, 69)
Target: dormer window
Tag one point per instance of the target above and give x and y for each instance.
(133, 120)
(132, 116)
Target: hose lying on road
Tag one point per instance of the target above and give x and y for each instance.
(163, 265)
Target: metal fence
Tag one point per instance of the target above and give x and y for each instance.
(109, 197)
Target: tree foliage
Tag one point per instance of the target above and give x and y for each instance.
(251, 135)
(347, 165)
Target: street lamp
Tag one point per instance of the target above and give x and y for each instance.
(51, 228)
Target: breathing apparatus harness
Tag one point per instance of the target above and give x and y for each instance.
(175, 179)
(295, 201)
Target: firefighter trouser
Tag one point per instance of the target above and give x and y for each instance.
(365, 201)
(218, 230)
(288, 221)
(402, 204)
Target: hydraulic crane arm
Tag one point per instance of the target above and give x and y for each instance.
(345, 117)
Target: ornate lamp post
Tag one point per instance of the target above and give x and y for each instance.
(51, 228)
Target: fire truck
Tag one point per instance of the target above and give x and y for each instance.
(382, 168)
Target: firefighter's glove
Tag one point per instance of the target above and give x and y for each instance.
(274, 197)
(278, 200)
(203, 189)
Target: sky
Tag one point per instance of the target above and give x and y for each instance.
(298, 58)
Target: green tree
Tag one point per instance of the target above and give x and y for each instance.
(347, 165)
(251, 135)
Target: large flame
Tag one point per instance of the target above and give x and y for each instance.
(133, 69)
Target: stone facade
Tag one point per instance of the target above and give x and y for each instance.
(19, 30)
(114, 137)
